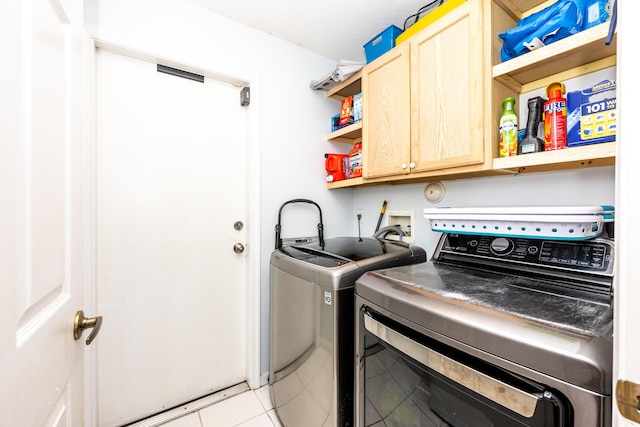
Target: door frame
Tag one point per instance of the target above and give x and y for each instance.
(94, 41)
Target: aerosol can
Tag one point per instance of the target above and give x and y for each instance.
(555, 118)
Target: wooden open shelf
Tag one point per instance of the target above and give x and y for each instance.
(603, 154)
(349, 134)
(345, 183)
(349, 87)
(572, 52)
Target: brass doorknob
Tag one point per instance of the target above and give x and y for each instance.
(80, 323)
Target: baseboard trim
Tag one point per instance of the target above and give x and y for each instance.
(193, 406)
(264, 379)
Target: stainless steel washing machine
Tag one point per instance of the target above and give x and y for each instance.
(311, 372)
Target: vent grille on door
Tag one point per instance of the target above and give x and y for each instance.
(180, 73)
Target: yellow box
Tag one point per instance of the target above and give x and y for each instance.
(429, 19)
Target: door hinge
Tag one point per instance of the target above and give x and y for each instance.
(245, 96)
(628, 399)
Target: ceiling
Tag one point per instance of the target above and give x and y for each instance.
(337, 29)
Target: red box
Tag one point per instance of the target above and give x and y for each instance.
(345, 110)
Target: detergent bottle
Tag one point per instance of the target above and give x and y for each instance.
(555, 118)
(334, 164)
(508, 129)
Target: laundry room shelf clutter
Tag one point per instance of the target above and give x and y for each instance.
(398, 90)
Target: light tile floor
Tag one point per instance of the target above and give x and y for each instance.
(251, 408)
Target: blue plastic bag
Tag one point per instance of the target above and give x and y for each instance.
(553, 23)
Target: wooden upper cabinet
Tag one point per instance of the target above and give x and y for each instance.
(386, 114)
(447, 76)
(423, 108)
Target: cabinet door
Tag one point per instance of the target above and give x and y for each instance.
(447, 72)
(386, 114)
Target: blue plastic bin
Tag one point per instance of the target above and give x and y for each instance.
(381, 43)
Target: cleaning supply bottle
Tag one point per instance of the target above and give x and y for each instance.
(555, 118)
(334, 164)
(508, 129)
(531, 143)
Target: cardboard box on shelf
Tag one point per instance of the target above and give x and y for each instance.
(350, 112)
(357, 107)
(592, 114)
(345, 110)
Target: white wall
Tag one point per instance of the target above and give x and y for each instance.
(594, 186)
(288, 128)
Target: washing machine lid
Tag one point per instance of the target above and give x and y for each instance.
(341, 250)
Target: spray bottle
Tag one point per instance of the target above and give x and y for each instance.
(531, 143)
(508, 129)
(555, 118)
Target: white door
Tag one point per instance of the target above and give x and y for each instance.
(170, 176)
(41, 213)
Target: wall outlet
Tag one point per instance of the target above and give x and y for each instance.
(406, 220)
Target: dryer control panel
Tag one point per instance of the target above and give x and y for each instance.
(594, 255)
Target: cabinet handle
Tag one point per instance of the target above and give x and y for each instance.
(412, 165)
(403, 166)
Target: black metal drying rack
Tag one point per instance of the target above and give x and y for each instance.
(279, 226)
